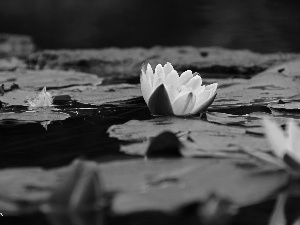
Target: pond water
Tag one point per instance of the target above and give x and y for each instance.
(258, 25)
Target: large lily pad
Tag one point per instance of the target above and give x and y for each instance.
(162, 184)
(135, 130)
(198, 135)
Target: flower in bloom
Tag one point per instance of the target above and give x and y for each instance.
(284, 143)
(42, 99)
(167, 93)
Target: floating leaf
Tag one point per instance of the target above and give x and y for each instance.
(160, 184)
(290, 68)
(48, 78)
(17, 97)
(261, 89)
(42, 115)
(197, 135)
(289, 106)
(97, 95)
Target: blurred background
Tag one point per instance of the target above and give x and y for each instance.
(258, 25)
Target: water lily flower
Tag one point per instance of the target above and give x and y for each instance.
(167, 93)
(42, 99)
(284, 143)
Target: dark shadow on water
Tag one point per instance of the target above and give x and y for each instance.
(82, 135)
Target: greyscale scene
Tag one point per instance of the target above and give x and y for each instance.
(134, 112)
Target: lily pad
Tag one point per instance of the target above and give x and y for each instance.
(161, 184)
(17, 97)
(290, 68)
(165, 184)
(135, 130)
(200, 137)
(48, 78)
(35, 116)
(97, 95)
(261, 89)
(289, 106)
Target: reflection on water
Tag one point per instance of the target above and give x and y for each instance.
(259, 25)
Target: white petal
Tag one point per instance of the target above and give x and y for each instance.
(185, 77)
(145, 87)
(294, 138)
(149, 74)
(276, 137)
(181, 104)
(195, 82)
(159, 72)
(201, 98)
(172, 78)
(172, 92)
(199, 90)
(212, 88)
(191, 105)
(185, 90)
(158, 82)
(168, 68)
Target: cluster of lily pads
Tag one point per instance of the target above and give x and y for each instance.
(167, 93)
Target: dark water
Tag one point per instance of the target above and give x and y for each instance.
(82, 135)
(259, 25)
